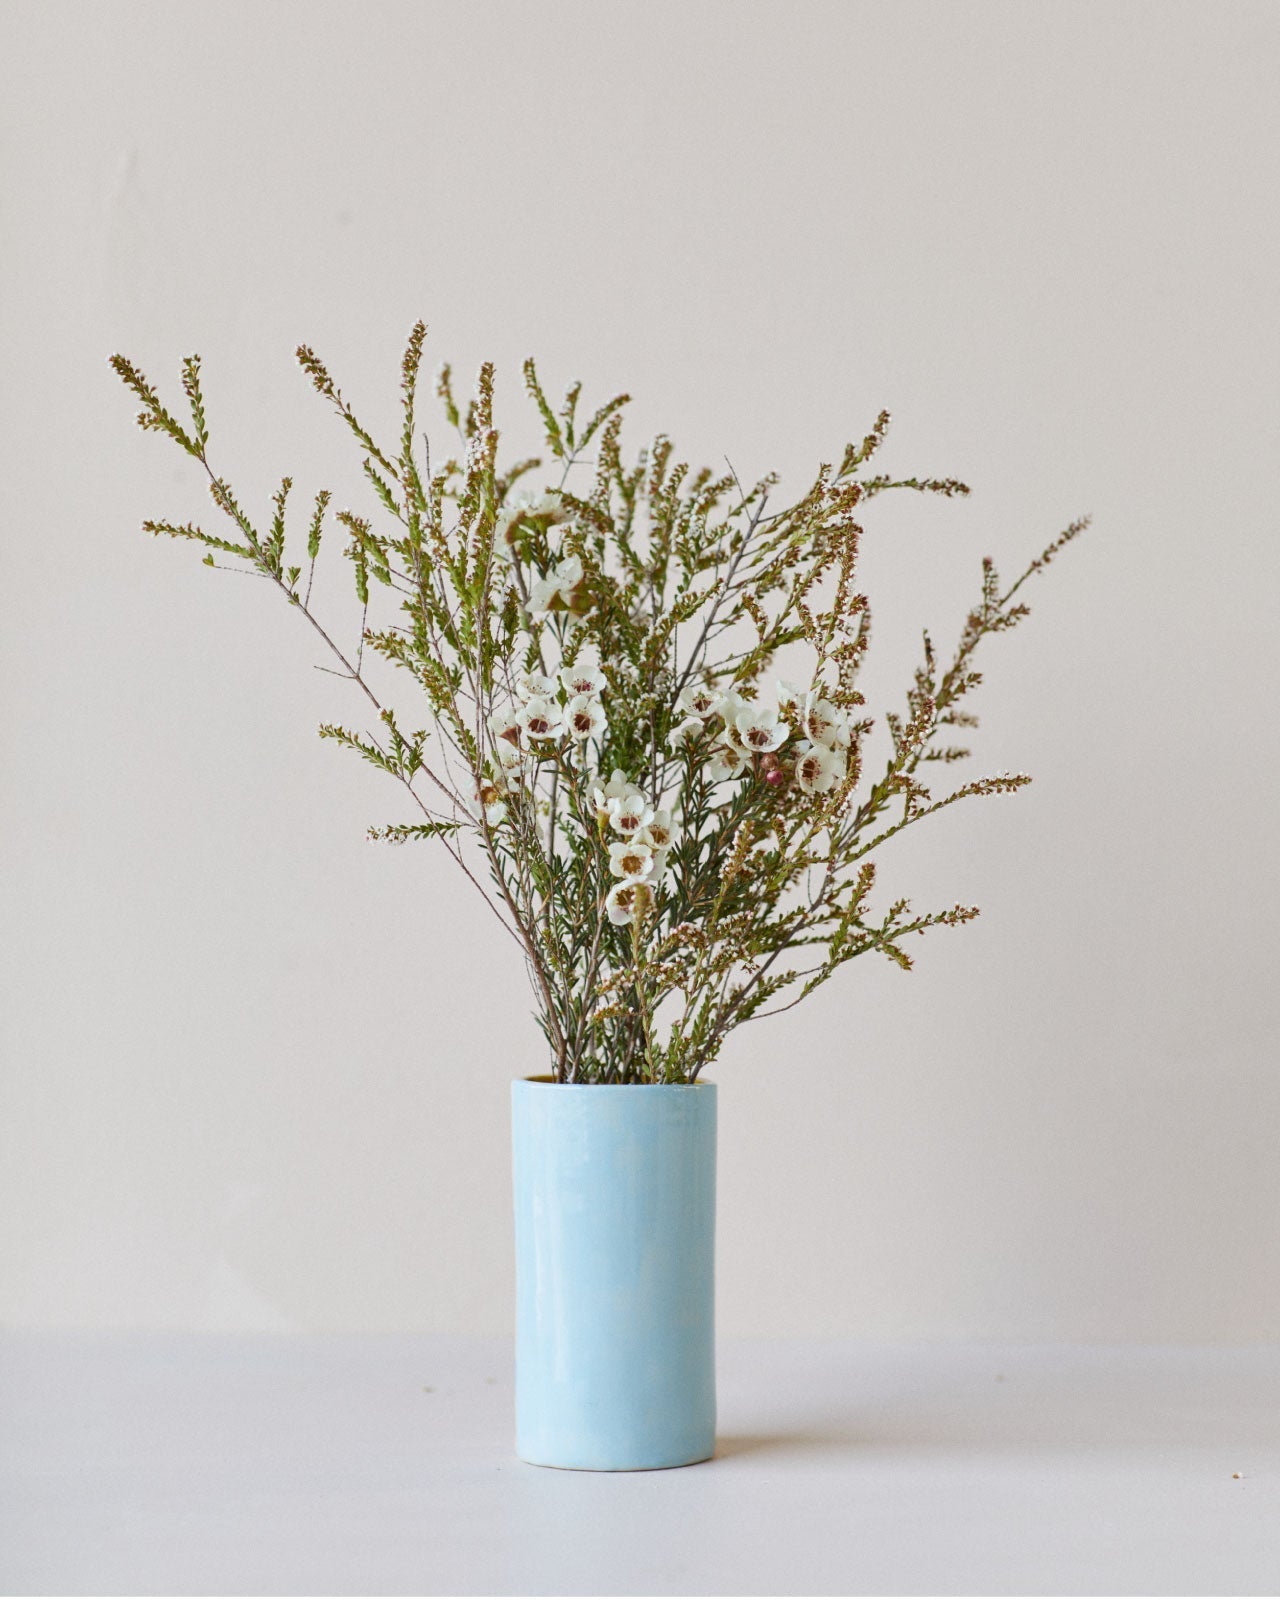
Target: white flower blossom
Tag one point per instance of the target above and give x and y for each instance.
(789, 695)
(818, 768)
(629, 858)
(756, 728)
(726, 762)
(555, 591)
(728, 705)
(684, 733)
(494, 802)
(541, 718)
(697, 700)
(582, 680)
(629, 814)
(514, 763)
(824, 724)
(535, 685)
(625, 901)
(548, 507)
(584, 717)
(503, 724)
(659, 831)
(617, 788)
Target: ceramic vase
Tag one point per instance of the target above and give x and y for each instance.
(614, 1190)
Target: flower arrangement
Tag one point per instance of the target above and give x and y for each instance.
(679, 840)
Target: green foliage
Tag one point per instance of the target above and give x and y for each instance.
(677, 844)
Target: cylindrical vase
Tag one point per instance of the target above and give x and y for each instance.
(615, 1273)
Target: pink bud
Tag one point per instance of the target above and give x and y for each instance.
(775, 776)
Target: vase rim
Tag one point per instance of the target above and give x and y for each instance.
(555, 1083)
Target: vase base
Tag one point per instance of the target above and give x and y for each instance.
(647, 1466)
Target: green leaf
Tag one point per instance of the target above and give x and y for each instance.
(313, 537)
(549, 422)
(191, 386)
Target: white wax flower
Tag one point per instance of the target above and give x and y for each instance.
(757, 729)
(818, 768)
(548, 507)
(584, 717)
(628, 858)
(580, 679)
(513, 762)
(684, 733)
(658, 831)
(531, 685)
(727, 761)
(541, 718)
(618, 786)
(493, 802)
(625, 900)
(824, 724)
(790, 695)
(556, 589)
(629, 814)
(503, 723)
(728, 705)
(697, 700)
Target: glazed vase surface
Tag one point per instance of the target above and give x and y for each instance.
(614, 1188)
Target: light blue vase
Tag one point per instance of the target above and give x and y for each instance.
(615, 1198)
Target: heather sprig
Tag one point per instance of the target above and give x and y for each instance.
(679, 841)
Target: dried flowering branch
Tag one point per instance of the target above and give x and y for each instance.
(676, 848)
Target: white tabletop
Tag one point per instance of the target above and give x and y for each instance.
(174, 1464)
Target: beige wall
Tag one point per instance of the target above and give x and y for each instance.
(256, 1071)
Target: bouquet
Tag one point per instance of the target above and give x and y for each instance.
(679, 831)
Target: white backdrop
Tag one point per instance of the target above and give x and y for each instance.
(256, 1071)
